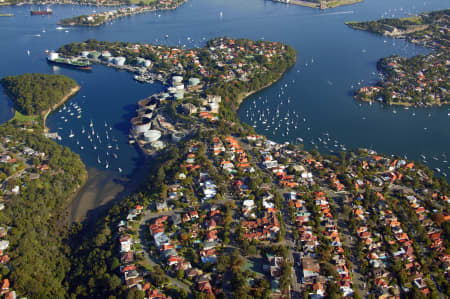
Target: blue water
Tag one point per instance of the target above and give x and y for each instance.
(331, 58)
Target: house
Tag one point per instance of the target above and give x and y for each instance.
(3, 232)
(127, 257)
(205, 287)
(160, 239)
(4, 245)
(5, 286)
(125, 243)
(193, 214)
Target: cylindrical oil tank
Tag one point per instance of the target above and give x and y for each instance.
(141, 124)
(194, 81)
(146, 112)
(152, 135)
(177, 136)
(158, 145)
(177, 79)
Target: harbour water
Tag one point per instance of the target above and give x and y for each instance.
(314, 97)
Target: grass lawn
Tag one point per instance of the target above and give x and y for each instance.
(255, 265)
(24, 118)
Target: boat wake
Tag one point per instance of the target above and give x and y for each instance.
(336, 13)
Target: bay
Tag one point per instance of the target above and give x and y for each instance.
(331, 59)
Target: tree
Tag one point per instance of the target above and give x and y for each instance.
(134, 293)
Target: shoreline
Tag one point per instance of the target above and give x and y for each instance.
(72, 92)
(402, 104)
(324, 5)
(127, 11)
(61, 3)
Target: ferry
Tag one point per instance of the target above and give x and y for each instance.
(40, 12)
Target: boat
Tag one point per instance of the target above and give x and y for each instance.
(98, 160)
(120, 170)
(40, 12)
(71, 134)
(69, 62)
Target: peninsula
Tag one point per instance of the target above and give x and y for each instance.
(322, 4)
(101, 18)
(38, 178)
(422, 80)
(36, 95)
(198, 81)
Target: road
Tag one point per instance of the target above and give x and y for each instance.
(143, 228)
(349, 241)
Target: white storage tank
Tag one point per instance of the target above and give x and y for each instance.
(177, 79)
(53, 56)
(194, 81)
(106, 54)
(141, 124)
(147, 63)
(120, 61)
(146, 112)
(178, 136)
(152, 135)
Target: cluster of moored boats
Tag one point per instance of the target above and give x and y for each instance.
(100, 138)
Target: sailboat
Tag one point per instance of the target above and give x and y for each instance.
(71, 135)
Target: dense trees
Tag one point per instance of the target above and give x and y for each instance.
(39, 259)
(36, 93)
